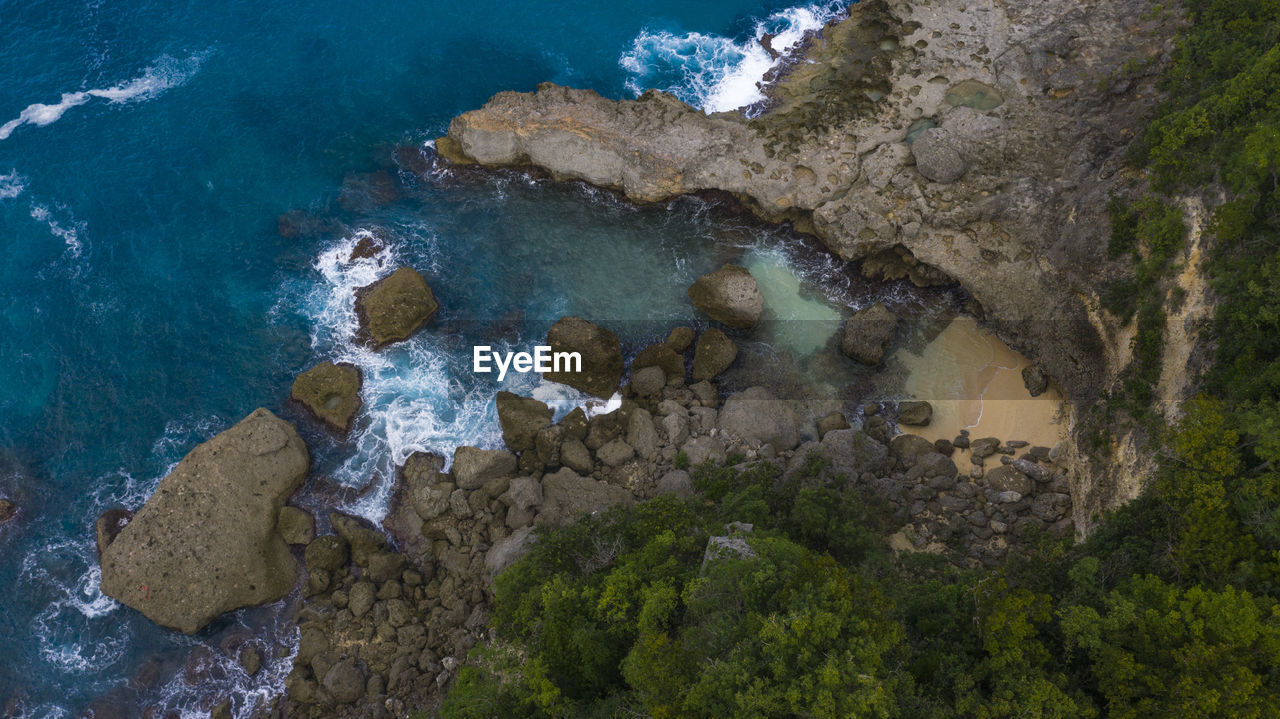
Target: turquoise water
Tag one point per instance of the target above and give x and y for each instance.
(149, 299)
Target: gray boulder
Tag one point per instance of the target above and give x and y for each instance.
(704, 448)
(648, 381)
(616, 453)
(331, 392)
(345, 682)
(521, 418)
(676, 482)
(473, 467)
(297, 526)
(601, 356)
(575, 455)
(509, 550)
(207, 541)
(1007, 479)
(567, 495)
(937, 158)
(642, 435)
(714, 354)
(523, 493)
(729, 295)
(754, 415)
(868, 333)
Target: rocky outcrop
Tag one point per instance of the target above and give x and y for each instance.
(394, 307)
(1021, 113)
(714, 354)
(758, 418)
(7, 510)
(730, 296)
(867, 334)
(331, 392)
(207, 541)
(601, 354)
(521, 418)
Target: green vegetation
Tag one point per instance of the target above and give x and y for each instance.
(1171, 609)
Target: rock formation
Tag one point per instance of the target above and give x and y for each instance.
(1023, 112)
(207, 541)
(730, 296)
(331, 392)
(394, 307)
(868, 333)
(601, 356)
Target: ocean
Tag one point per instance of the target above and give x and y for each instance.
(152, 295)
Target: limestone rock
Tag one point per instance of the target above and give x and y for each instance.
(1007, 479)
(937, 158)
(509, 550)
(661, 355)
(714, 354)
(754, 415)
(601, 356)
(868, 333)
(831, 422)
(566, 496)
(676, 482)
(207, 541)
(648, 381)
(616, 453)
(108, 526)
(575, 455)
(345, 682)
(1035, 380)
(331, 392)
(523, 493)
(394, 307)
(730, 296)
(297, 526)
(521, 418)
(473, 467)
(680, 338)
(915, 413)
(704, 449)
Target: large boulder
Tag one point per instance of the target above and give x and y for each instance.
(915, 413)
(754, 415)
(521, 418)
(207, 542)
(331, 392)
(937, 157)
(473, 467)
(729, 295)
(714, 354)
(566, 495)
(867, 333)
(509, 550)
(601, 354)
(394, 307)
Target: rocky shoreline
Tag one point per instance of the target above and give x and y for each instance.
(911, 141)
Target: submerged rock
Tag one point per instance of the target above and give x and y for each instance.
(729, 295)
(207, 541)
(601, 356)
(331, 392)
(868, 333)
(394, 307)
(7, 510)
(915, 413)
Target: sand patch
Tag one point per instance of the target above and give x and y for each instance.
(974, 382)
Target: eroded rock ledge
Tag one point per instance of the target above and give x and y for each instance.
(981, 136)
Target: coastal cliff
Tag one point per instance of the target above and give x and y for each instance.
(984, 139)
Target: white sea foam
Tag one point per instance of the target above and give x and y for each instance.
(12, 185)
(69, 233)
(717, 73)
(165, 73)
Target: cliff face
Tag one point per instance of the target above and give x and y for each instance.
(983, 136)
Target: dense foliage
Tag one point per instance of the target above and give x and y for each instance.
(1169, 610)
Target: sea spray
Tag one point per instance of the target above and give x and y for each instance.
(716, 73)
